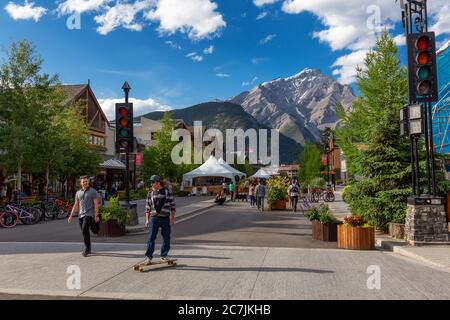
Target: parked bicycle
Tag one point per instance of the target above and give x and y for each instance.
(11, 214)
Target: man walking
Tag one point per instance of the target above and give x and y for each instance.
(159, 213)
(260, 192)
(86, 202)
(293, 193)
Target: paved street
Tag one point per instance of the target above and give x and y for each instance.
(226, 252)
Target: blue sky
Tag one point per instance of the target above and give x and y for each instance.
(176, 53)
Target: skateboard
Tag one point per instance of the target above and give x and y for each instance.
(141, 267)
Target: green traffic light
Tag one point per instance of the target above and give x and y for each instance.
(124, 132)
(424, 73)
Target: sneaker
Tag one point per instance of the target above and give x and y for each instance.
(147, 261)
(85, 253)
(164, 259)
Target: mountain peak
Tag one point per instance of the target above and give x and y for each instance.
(304, 73)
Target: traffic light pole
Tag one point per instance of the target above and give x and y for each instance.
(127, 157)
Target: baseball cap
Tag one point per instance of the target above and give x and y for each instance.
(155, 178)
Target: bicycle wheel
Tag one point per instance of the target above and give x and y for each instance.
(326, 198)
(331, 197)
(31, 216)
(62, 213)
(316, 197)
(50, 210)
(8, 219)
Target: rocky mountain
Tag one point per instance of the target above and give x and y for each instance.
(299, 106)
(227, 115)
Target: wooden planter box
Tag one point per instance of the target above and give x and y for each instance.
(324, 232)
(356, 238)
(279, 205)
(111, 228)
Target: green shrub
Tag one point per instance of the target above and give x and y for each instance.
(114, 211)
(313, 214)
(325, 216)
(276, 194)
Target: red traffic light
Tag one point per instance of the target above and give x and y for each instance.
(423, 43)
(123, 111)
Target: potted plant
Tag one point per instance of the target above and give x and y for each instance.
(324, 225)
(277, 195)
(113, 219)
(356, 234)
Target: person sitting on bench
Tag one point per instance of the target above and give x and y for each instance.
(220, 198)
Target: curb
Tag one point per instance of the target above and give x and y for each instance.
(396, 246)
(142, 229)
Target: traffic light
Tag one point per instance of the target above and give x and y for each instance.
(423, 86)
(124, 128)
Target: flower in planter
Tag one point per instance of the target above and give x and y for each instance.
(355, 221)
(278, 187)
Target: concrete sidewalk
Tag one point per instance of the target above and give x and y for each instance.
(182, 212)
(433, 256)
(215, 272)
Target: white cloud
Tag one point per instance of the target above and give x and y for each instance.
(262, 15)
(173, 45)
(195, 57)
(197, 18)
(346, 66)
(400, 40)
(267, 39)
(122, 14)
(442, 21)
(260, 3)
(209, 50)
(140, 107)
(355, 24)
(223, 75)
(80, 6)
(26, 11)
(247, 83)
(258, 60)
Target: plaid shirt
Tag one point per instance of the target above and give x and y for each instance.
(162, 194)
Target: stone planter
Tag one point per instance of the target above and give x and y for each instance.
(356, 238)
(111, 229)
(397, 230)
(278, 205)
(324, 231)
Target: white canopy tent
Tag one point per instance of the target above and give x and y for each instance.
(212, 168)
(261, 174)
(226, 165)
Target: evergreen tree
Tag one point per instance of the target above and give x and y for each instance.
(369, 137)
(310, 163)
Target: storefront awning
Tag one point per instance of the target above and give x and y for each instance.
(113, 164)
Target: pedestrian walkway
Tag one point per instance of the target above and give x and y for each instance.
(339, 208)
(434, 256)
(185, 207)
(214, 272)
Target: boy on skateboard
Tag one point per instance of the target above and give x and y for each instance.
(159, 213)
